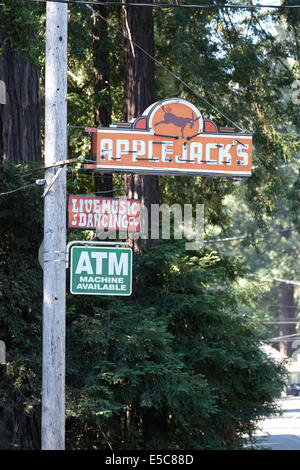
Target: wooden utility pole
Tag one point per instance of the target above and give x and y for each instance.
(54, 301)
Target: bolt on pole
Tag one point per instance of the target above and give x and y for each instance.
(54, 265)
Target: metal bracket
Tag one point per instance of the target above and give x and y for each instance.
(53, 181)
(87, 242)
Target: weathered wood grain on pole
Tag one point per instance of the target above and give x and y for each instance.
(54, 301)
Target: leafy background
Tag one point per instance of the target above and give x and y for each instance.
(179, 364)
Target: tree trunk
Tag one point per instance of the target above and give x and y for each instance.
(139, 93)
(102, 99)
(287, 311)
(20, 117)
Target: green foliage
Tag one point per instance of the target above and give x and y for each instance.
(270, 257)
(20, 309)
(238, 63)
(20, 27)
(174, 367)
(179, 364)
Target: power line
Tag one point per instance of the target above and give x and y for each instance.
(198, 6)
(286, 337)
(75, 172)
(286, 322)
(97, 14)
(166, 5)
(285, 306)
(109, 191)
(89, 3)
(251, 235)
(205, 241)
(18, 189)
(286, 340)
(286, 281)
(165, 68)
(65, 162)
(276, 279)
(55, 165)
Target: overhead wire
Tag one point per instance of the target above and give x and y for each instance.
(173, 5)
(96, 13)
(276, 279)
(89, 4)
(217, 240)
(66, 162)
(285, 306)
(251, 235)
(286, 337)
(283, 322)
(109, 191)
(34, 170)
(198, 6)
(18, 189)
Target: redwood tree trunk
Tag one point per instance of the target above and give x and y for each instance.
(139, 93)
(102, 99)
(20, 117)
(287, 311)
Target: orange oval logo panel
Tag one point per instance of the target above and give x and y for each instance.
(176, 118)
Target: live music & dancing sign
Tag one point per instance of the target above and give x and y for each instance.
(90, 212)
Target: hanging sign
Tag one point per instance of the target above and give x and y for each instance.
(101, 270)
(89, 212)
(172, 138)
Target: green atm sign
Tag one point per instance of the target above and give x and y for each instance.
(101, 270)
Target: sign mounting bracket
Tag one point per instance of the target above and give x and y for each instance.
(92, 242)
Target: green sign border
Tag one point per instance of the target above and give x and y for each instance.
(97, 248)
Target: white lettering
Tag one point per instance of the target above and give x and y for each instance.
(210, 147)
(122, 207)
(106, 146)
(82, 220)
(122, 148)
(124, 221)
(96, 208)
(165, 151)
(241, 154)
(74, 203)
(97, 218)
(150, 152)
(105, 220)
(142, 148)
(114, 206)
(178, 159)
(74, 221)
(88, 205)
(115, 267)
(99, 256)
(90, 222)
(196, 152)
(84, 264)
(105, 206)
(224, 154)
(134, 208)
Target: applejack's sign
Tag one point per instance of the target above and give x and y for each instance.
(172, 138)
